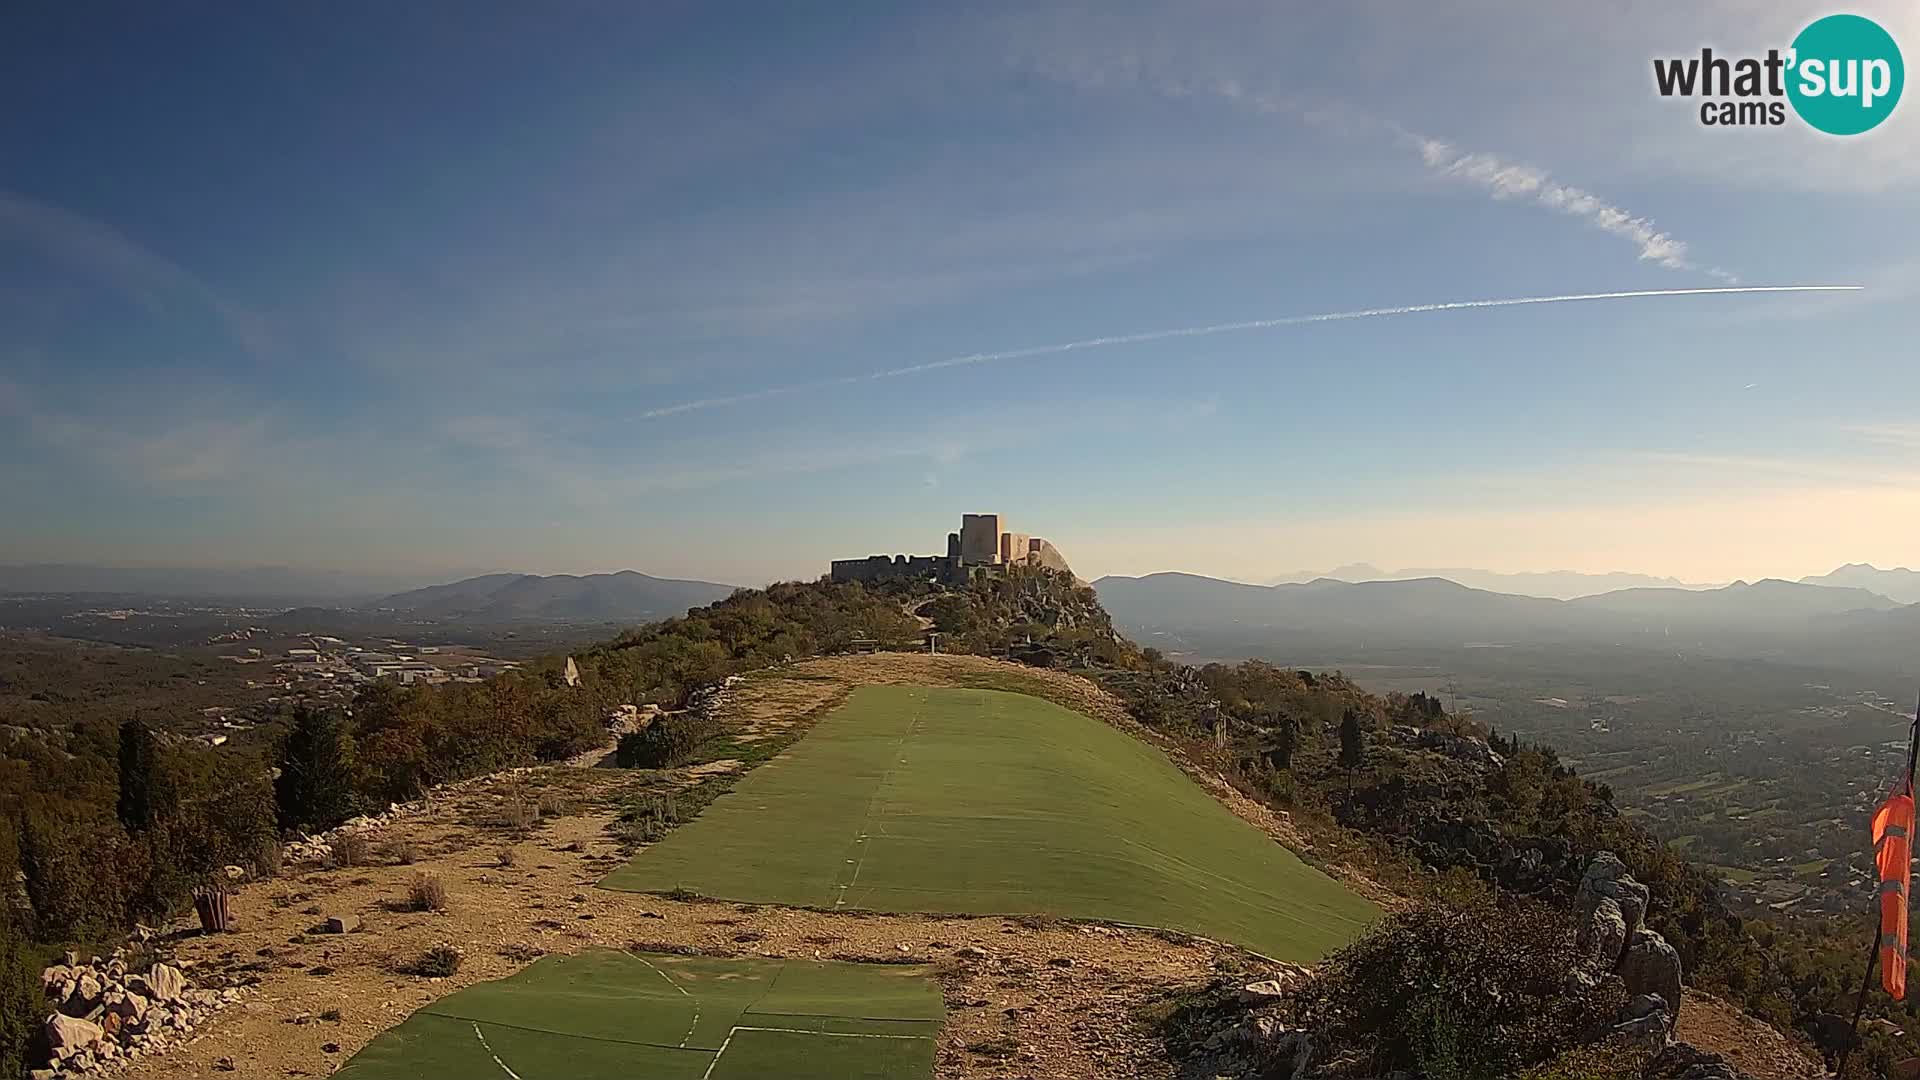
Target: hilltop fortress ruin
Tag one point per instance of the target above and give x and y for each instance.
(982, 546)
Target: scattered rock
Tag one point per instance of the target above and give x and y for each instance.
(339, 924)
(1651, 966)
(165, 982)
(1644, 1004)
(1264, 992)
(1607, 878)
(1648, 1032)
(70, 1035)
(1603, 936)
(105, 1014)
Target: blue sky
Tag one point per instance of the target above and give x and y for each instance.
(430, 289)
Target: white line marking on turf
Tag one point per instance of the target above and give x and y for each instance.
(868, 820)
(728, 1041)
(683, 993)
(831, 1034)
(489, 1049)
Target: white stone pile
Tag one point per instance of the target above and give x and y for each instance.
(104, 1014)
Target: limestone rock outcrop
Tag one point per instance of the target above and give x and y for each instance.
(1612, 936)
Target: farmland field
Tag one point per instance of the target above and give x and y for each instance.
(607, 1014)
(984, 802)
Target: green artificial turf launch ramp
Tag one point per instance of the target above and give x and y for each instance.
(605, 1015)
(984, 802)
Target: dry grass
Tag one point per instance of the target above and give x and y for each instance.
(351, 849)
(438, 962)
(427, 893)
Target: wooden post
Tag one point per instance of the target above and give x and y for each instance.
(211, 904)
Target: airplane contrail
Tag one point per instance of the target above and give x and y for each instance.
(1219, 328)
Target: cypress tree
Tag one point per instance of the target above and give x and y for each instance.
(315, 787)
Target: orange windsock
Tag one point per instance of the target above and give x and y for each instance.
(1893, 857)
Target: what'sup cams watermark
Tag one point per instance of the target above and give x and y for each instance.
(1842, 75)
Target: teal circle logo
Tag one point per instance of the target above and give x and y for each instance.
(1845, 74)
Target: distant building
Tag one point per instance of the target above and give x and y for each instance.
(981, 546)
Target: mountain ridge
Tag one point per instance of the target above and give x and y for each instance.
(1546, 584)
(625, 594)
(1439, 611)
(1898, 583)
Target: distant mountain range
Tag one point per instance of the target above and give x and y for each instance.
(1899, 583)
(1551, 584)
(627, 595)
(265, 584)
(1764, 618)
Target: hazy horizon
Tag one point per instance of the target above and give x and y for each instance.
(724, 294)
(415, 576)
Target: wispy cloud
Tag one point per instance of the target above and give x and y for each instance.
(1505, 179)
(151, 280)
(1501, 177)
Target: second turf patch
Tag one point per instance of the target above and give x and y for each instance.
(985, 802)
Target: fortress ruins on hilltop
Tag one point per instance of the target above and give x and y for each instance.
(982, 546)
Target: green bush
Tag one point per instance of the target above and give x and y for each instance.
(1610, 1059)
(667, 741)
(21, 1003)
(78, 875)
(1459, 992)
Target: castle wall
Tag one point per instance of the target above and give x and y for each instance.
(1013, 547)
(875, 569)
(1041, 553)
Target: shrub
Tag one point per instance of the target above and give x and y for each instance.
(21, 1003)
(555, 804)
(520, 813)
(427, 893)
(667, 741)
(350, 849)
(520, 952)
(267, 860)
(635, 833)
(1459, 991)
(1614, 1058)
(81, 876)
(438, 962)
(403, 852)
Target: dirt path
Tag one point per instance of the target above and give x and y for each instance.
(1713, 1024)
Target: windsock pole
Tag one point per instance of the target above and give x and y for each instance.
(1901, 883)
